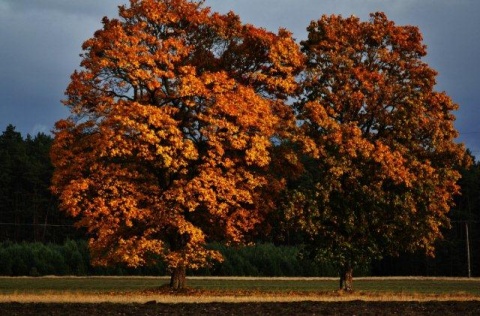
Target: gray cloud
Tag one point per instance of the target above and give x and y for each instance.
(84, 7)
(41, 40)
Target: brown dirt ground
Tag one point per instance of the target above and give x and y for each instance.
(246, 309)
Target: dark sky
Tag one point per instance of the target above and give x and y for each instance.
(40, 42)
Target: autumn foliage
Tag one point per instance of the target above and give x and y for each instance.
(168, 142)
(182, 131)
(378, 143)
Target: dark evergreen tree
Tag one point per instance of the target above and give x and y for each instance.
(466, 222)
(28, 210)
(42, 205)
(13, 161)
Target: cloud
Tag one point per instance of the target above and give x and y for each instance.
(84, 7)
(41, 42)
(296, 15)
(40, 128)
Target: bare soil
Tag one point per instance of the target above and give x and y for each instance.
(246, 309)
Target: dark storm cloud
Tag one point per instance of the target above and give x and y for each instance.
(40, 42)
(86, 7)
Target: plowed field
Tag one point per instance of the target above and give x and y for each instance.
(246, 309)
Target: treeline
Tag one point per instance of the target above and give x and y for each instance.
(72, 258)
(262, 259)
(39, 239)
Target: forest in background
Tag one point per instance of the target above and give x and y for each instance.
(37, 239)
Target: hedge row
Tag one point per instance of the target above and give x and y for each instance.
(266, 260)
(72, 258)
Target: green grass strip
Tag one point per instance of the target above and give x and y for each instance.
(434, 286)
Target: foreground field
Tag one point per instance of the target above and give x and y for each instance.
(277, 309)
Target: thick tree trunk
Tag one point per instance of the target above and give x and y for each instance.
(346, 278)
(177, 279)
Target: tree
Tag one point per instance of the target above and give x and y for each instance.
(168, 142)
(451, 253)
(378, 144)
(467, 204)
(13, 177)
(41, 203)
(466, 215)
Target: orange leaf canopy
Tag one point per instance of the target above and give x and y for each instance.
(169, 138)
(378, 141)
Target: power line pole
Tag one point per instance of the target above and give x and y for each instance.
(468, 250)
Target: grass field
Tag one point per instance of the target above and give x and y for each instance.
(201, 289)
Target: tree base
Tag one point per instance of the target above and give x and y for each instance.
(346, 279)
(178, 278)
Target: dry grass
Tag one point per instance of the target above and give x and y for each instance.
(72, 297)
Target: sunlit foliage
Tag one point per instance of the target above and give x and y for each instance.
(169, 138)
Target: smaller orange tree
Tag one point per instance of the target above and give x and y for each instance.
(378, 145)
(169, 138)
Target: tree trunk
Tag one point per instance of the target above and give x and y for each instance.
(346, 278)
(177, 279)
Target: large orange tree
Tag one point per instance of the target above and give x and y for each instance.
(378, 143)
(168, 142)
